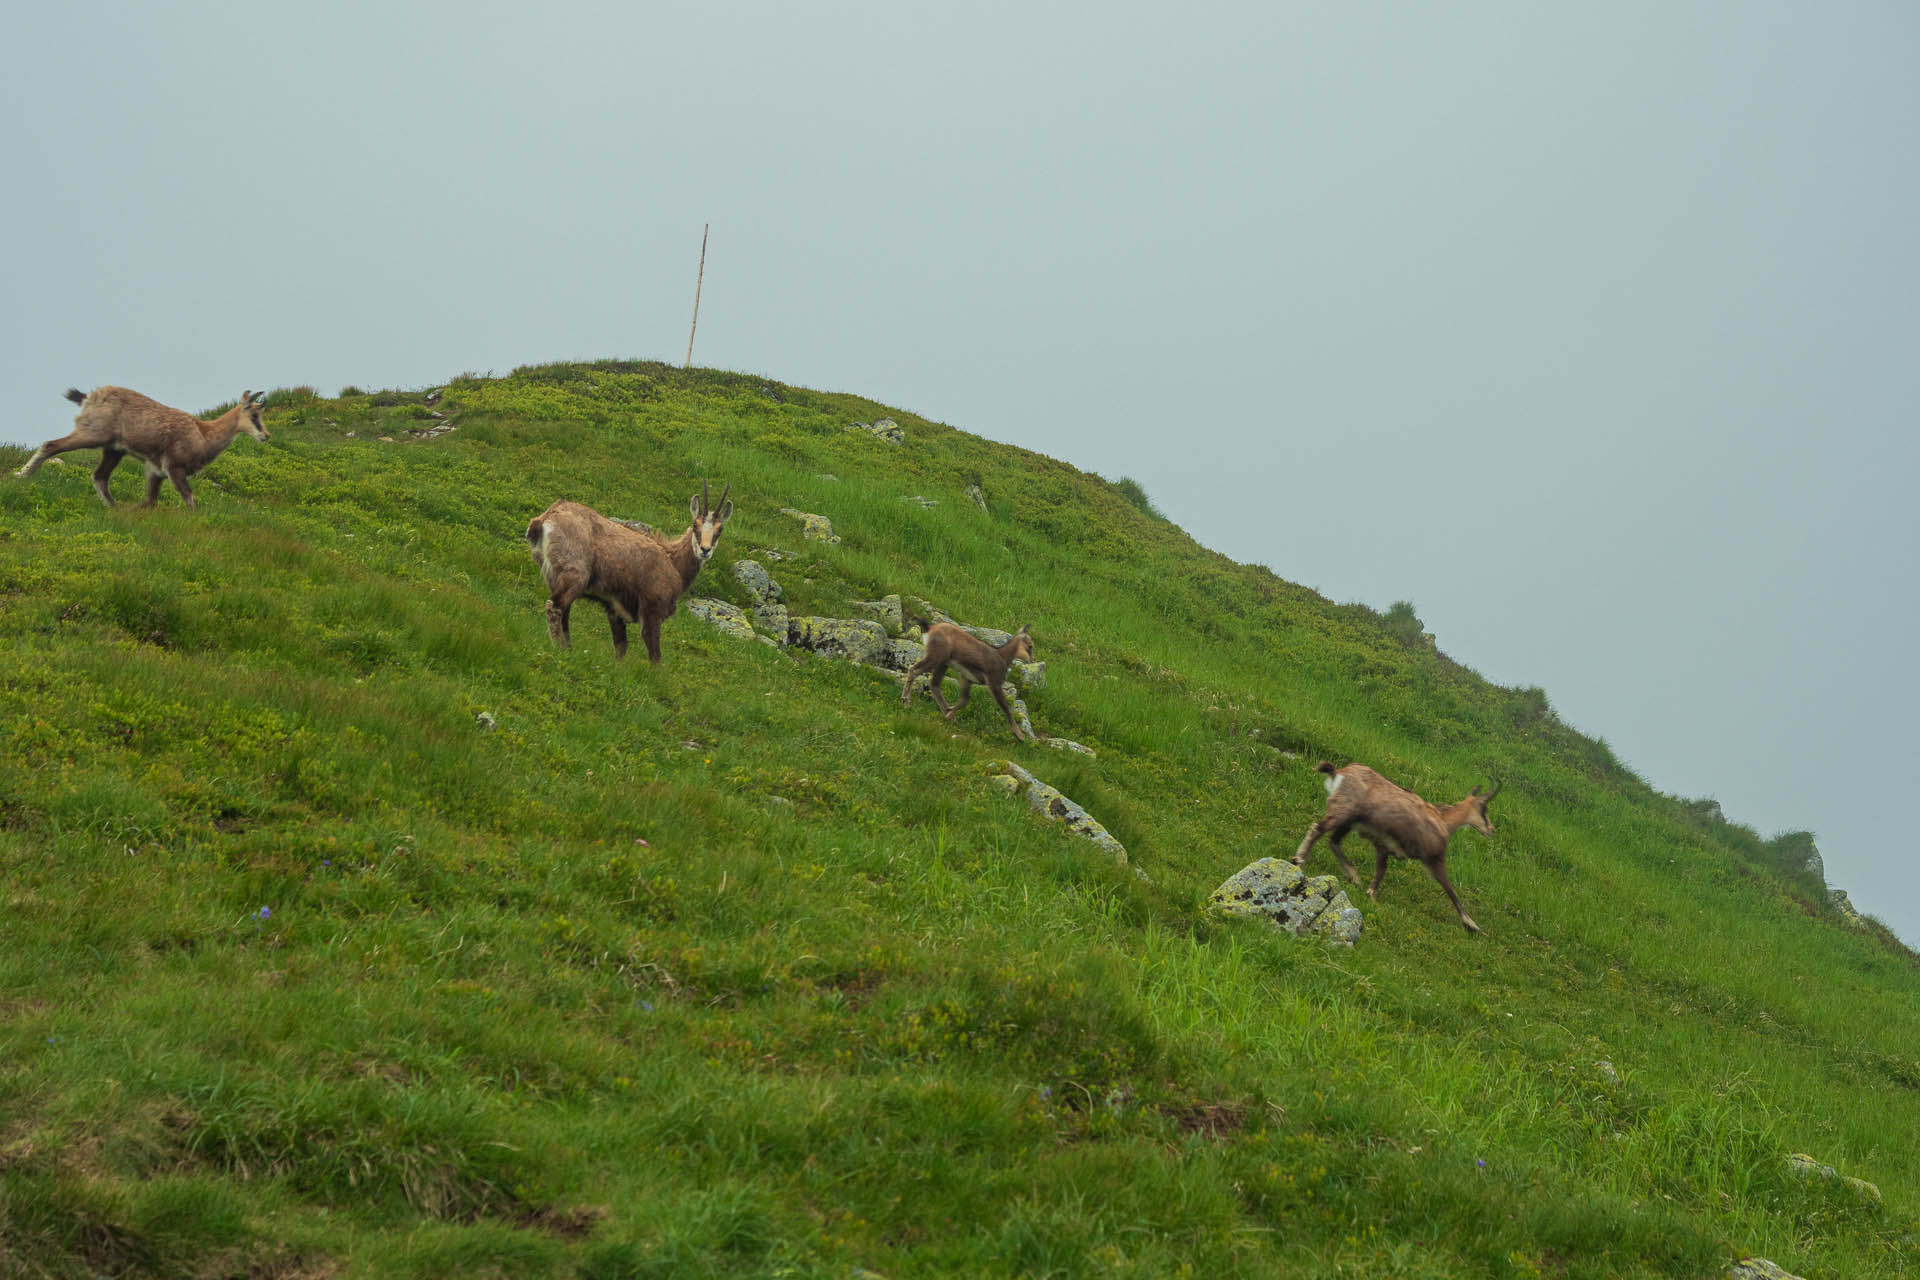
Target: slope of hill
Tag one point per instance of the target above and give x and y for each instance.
(735, 967)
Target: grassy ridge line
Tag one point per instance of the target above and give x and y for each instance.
(884, 1020)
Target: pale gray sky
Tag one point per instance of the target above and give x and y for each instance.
(1590, 329)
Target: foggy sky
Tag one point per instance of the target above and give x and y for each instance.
(1588, 329)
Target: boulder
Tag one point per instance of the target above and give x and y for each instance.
(1064, 744)
(1807, 1167)
(886, 429)
(772, 619)
(1758, 1269)
(902, 654)
(1299, 903)
(854, 639)
(888, 609)
(979, 498)
(730, 619)
(816, 527)
(1030, 675)
(758, 582)
(1048, 801)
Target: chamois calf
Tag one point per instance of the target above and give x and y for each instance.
(173, 444)
(974, 661)
(635, 575)
(1396, 822)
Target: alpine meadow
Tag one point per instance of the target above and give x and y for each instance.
(353, 928)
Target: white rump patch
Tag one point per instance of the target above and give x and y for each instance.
(1333, 783)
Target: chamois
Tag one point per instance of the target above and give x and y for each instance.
(1396, 822)
(975, 662)
(636, 576)
(173, 444)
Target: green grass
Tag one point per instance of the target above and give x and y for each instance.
(735, 968)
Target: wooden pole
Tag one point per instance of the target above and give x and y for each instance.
(697, 281)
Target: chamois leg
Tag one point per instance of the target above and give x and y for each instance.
(1333, 842)
(914, 673)
(650, 632)
(966, 691)
(1314, 832)
(559, 610)
(153, 485)
(1439, 868)
(109, 459)
(618, 625)
(180, 484)
(935, 679)
(65, 444)
(1379, 872)
(1000, 696)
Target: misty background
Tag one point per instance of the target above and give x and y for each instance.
(1589, 330)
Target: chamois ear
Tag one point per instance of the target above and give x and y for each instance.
(1023, 628)
(726, 509)
(246, 398)
(693, 507)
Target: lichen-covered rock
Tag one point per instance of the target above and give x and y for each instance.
(1758, 1269)
(888, 609)
(816, 527)
(1844, 908)
(1031, 675)
(854, 639)
(886, 429)
(902, 654)
(979, 498)
(730, 619)
(1048, 801)
(772, 619)
(758, 582)
(1806, 1166)
(986, 635)
(1020, 718)
(1280, 891)
(922, 501)
(1064, 744)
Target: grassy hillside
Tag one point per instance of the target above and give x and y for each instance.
(735, 968)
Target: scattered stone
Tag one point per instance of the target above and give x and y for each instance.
(1048, 801)
(922, 501)
(1806, 1166)
(1607, 1071)
(1758, 1269)
(1031, 675)
(854, 639)
(731, 619)
(1064, 744)
(1005, 782)
(775, 554)
(758, 582)
(1299, 903)
(828, 476)
(817, 527)
(1020, 717)
(772, 619)
(486, 721)
(979, 498)
(1844, 908)
(888, 609)
(58, 462)
(886, 429)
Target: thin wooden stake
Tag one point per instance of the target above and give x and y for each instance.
(697, 281)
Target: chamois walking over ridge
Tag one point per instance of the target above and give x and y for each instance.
(974, 661)
(173, 444)
(636, 576)
(1397, 822)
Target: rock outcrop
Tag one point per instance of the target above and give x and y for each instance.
(1047, 800)
(1296, 902)
(1758, 1269)
(729, 618)
(1844, 908)
(758, 582)
(1807, 1167)
(885, 429)
(854, 639)
(816, 527)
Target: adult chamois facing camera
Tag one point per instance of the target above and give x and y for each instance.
(173, 444)
(973, 660)
(636, 576)
(1397, 822)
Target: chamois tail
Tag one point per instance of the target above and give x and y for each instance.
(76, 395)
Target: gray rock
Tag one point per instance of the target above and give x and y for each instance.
(1064, 744)
(772, 619)
(775, 554)
(1844, 908)
(979, 498)
(758, 582)
(1296, 902)
(730, 619)
(986, 635)
(886, 429)
(1607, 1071)
(1814, 866)
(922, 501)
(1031, 675)
(1049, 802)
(1020, 718)
(1758, 1269)
(1807, 1167)
(486, 721)
(888, 609)
(902, 654)
(854, 639)
(816, 527)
